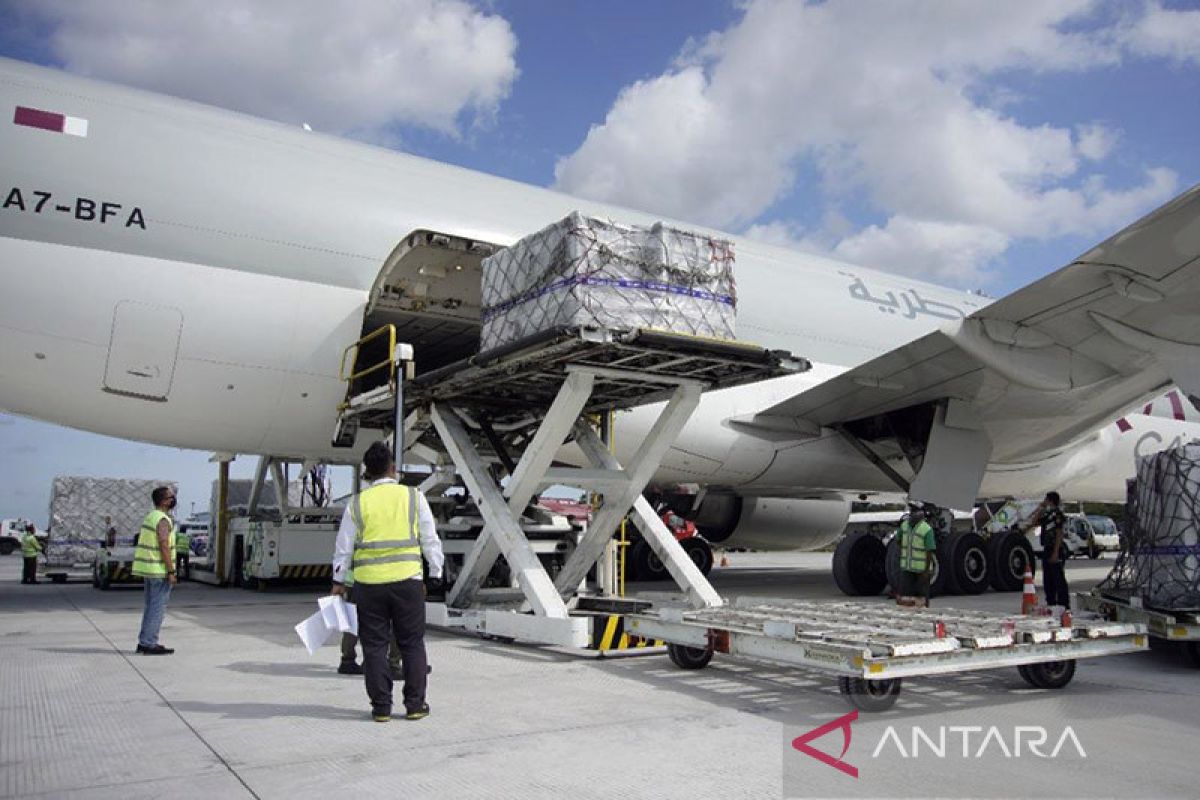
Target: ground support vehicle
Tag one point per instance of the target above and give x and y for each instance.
(871, 647)
(114, 565)
(496, 423)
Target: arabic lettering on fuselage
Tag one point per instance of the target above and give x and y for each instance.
(908, 303)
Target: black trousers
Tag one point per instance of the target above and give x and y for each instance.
(182, 562)
(29, 570)
(350, 642)
(1054, 581)
(386, 610)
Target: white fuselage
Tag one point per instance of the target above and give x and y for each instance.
(216, 318)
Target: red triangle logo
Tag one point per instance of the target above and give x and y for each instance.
(843, 722)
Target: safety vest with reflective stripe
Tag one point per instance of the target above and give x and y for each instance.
(388, 545)
(183, 541)
(147, 560)
(30, 546)
(913, 549)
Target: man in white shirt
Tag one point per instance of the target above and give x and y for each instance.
(385, 531)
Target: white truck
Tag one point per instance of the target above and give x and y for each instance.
(11, 533)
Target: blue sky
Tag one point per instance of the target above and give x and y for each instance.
(976, 144)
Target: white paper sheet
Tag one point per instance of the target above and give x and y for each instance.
(314, 632)
(338, 614)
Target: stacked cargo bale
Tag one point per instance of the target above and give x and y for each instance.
(583, 272)
(1160, 559)
(78, 507)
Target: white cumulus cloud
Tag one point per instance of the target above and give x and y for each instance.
(891, 104)
(355, 68)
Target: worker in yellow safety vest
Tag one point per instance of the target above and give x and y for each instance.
(183, 552)
(917, 546)
(385, 530)
(30, 547)
(154, 563)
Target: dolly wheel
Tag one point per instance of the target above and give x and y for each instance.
(686, 657)
(870, 696)
(1048, 674)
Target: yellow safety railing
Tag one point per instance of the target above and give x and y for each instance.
(389, 360)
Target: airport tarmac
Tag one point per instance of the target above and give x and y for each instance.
(241, 710)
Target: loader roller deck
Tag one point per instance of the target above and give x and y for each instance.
(632, 368)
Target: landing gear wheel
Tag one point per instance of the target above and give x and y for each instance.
(870, 696)
(7, 546)
(686, 657)
(966, 563)
(699, 551)
(1049, 674)
(645, 564)
(859, 567)
(1009, 555)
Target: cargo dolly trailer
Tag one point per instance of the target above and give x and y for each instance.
(871, 648)
(1163, 625)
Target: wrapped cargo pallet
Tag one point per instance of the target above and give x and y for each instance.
(583, 272)
(78, 507)
(1160, 562)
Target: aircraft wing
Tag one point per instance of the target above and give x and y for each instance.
(1030, 372)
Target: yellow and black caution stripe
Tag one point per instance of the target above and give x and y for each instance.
(304, 571)
(608, 633)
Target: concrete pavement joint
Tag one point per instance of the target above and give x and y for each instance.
(161, 696)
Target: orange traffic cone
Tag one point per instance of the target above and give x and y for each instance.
(1028, 594)
(724, 559)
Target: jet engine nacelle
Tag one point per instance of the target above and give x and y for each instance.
(771, 523)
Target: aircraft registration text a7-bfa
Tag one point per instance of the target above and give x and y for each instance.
(187, 276)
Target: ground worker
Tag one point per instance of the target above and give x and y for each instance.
(154, 563)
(917, 544)
(384, 532)
(1050, 517)
(350, 665)
(30, 547)
(183, 552)
(110, 533)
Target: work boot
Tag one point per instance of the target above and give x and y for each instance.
(350, 668)
(381, 714)
(156, 650)
(418, 713)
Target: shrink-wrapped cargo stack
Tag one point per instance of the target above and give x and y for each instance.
(583, 272)
(78, 507)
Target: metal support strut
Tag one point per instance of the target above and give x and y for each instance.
(621, 486)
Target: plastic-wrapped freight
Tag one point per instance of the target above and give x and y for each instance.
(78, 507)
(1161, 558)
(593, 273)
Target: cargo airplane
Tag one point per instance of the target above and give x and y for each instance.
(183, 275)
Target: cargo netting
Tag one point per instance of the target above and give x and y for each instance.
(1160, 557)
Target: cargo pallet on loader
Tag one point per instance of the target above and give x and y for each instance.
(871, 647)
(1170, 626)
(511, 411)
